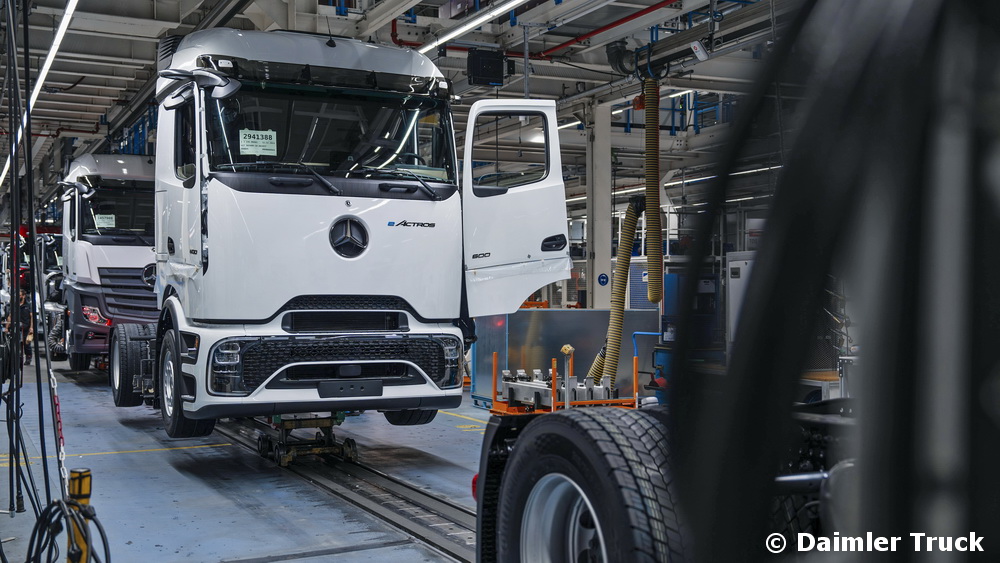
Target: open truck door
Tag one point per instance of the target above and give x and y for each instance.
(514, 217)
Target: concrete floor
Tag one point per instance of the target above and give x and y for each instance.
(204, 499)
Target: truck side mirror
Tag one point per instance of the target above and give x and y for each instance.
(85, 191)
(216, 83)
(177, 99)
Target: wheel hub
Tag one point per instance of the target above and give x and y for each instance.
(168, 383)
(560, 524)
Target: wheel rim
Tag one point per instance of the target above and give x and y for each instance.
(168, 382)
(560, 524)
(116, 369)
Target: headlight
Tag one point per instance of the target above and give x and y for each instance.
(226, 371)
(93, 314)
(452, 348)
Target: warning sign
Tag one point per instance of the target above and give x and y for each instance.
(264, 143)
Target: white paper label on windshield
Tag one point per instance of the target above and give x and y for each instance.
(104, 221)
(264, 143)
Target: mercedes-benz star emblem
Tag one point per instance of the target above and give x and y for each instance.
(349, 237)
(149, 275)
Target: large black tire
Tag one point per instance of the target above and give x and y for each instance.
(79, 362)
(171, 408)
(409, 418)
(121, 367)
(590, 485)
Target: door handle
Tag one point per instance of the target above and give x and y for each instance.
(554, 242)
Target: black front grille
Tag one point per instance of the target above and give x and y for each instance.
(344, 321)
(126, 294)
(265, 357)
(350, 303)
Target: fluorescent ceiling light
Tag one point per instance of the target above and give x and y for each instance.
(468, 25)
(573, 124)
(40, 80)
(685, 181)
(756, 170)
(678, 94)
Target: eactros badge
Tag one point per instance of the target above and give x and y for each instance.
(405, 223)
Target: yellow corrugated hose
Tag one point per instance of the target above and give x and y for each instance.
(607, 360)
(654, 236)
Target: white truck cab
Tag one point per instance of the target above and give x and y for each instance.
(318, 247)
(108, 260)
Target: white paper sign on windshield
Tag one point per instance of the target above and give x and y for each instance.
(104, 221)
(264, 143)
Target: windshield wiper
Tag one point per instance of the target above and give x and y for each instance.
(312, 171)
(424, 186)
(322, 179)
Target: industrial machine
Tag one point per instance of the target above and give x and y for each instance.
(315, 250)
(108, 267)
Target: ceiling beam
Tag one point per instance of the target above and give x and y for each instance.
(381, 14)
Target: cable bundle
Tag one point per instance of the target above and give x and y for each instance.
(43, 545)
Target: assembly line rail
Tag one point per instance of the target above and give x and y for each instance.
(444, 525)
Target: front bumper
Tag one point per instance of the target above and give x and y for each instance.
(86, 337)
(283, 373)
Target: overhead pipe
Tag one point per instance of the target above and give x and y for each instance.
(645, 11)
(400, 42)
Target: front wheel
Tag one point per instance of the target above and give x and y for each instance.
(589, 485)
(121, 368)
(79, 362)
(175, 422)
(410, 417)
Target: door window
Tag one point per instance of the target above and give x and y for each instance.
(508, 150)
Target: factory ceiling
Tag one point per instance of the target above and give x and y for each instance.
(580, 53)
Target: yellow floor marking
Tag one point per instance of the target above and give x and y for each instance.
(128, 451)
(154, 450)
(463, 416)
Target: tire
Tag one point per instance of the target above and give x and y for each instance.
(79, 362)
(121, 367)
(171, 408)
(409, 418)
(590, 485)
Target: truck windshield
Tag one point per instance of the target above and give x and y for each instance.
(332, 131)
(118, 214)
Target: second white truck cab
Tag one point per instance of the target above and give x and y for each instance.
(108, 261)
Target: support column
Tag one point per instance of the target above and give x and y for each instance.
(599, 209)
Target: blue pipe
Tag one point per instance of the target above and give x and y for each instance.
(635, 346)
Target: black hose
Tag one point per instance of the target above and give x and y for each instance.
(862, 52)
(33, 267)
